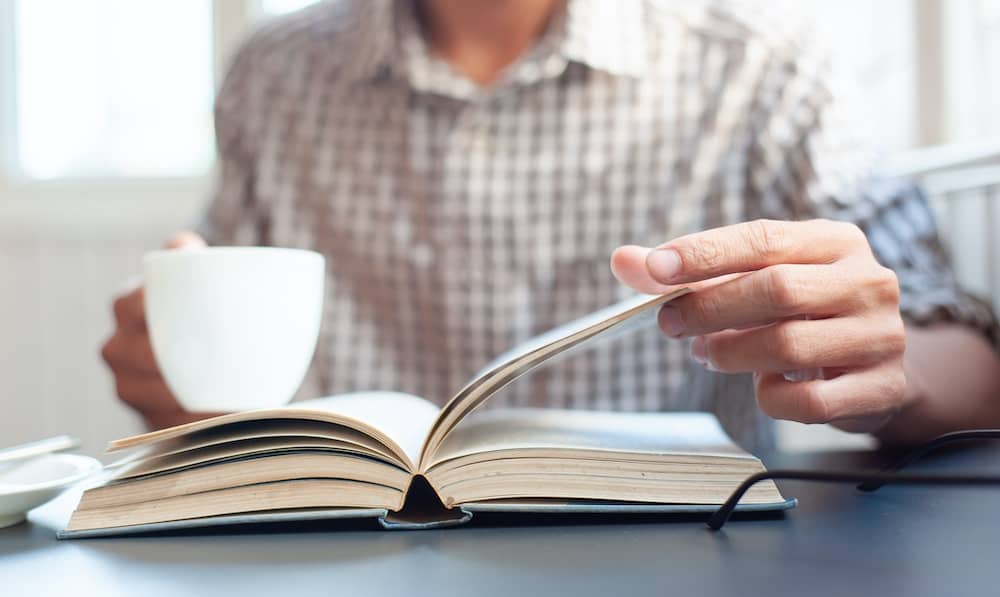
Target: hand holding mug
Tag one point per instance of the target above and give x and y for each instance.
(233, 328)
(215, 330)
(129, 354)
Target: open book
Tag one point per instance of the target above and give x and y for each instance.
(404, 461)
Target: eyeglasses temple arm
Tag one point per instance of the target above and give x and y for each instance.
(720, 516)
(877, 480)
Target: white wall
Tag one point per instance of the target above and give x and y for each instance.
(62, 258)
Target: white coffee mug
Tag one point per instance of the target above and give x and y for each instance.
(233, 328)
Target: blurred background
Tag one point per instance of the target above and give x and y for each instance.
(106, 147)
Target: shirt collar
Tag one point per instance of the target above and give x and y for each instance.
(365, 46)
(606, 36)
(383, 38)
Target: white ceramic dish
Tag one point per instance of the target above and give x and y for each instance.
(31, 483)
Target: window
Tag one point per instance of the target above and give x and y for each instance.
(112, 88)
(970, 70)
(109, 89)
(122, 89)
(876, 53)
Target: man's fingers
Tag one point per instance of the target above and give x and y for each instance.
(865, 398)
(751, 246)
(628, 264)
(130, 352)
(146, 393)
(776, 293)
(129, 308)
(130, 356)
(129, 311)
(846, 342)
(185, 240)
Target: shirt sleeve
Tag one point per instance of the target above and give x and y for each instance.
(235, 216)
(899, 223)
(808, 160)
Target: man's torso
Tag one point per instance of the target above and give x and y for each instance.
(458, 222)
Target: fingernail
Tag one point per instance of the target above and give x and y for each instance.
(699, 350)
(186, 241)
(663, 264)
(803, 375)
(671, 321)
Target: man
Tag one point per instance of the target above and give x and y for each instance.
(468, 167)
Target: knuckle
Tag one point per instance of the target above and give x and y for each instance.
(851, 232)
(109, 350)
(813, 407)
(895, 339)
(127, 307)
(718, 353)
(706, 254)
(707, 308)
(120, 308)
(780, 288)
(787, 345)
(768, 238)
(886, 286)
(804, 404)
(897, 384)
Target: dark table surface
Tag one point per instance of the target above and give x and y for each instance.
(898, 541)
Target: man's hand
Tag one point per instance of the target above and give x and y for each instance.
(129, 354)
(803, 305)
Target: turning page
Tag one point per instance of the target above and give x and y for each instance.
(608, 323)
(398, 421)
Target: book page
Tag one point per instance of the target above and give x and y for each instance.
(609, 323)
(291, 432)
(396, 420)
(245, 448)
(403, 417)
(689, 433)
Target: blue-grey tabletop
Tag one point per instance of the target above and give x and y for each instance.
(897, 541)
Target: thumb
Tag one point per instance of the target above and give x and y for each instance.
(628, 264)
(186, 240)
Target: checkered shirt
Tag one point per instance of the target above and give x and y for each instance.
(458, 221)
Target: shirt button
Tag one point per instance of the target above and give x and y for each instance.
(552, 65)
(529, 72)
(422, 255)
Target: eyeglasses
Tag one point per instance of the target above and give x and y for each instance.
(869, 481)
